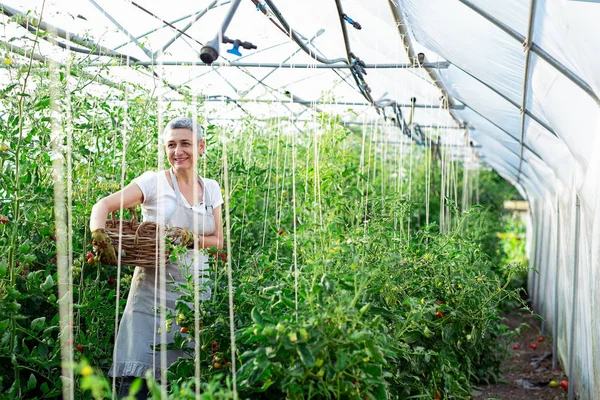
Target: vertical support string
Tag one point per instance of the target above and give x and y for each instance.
(229, 270)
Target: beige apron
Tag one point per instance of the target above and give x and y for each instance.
(138, 330)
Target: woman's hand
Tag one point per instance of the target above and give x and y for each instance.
(180, 236)
(103, 247)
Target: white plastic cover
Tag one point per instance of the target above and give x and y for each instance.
(540, 133)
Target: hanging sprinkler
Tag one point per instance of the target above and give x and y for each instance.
(210, 52)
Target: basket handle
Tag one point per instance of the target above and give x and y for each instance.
(134, 218)
(138, 231)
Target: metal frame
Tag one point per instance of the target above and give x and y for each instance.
(183, 30)
(572, 377)
(122, 29)
(556, 279)
(295, 99)
(536, 49)
(192, 63)
(410, 52)
(499, 127)
(527, 44)
(508, 99)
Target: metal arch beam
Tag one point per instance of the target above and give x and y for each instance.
(316, 35)
(506, 164)
(165, 25)
(122, 29)
(508, 99)
(508, 148)
(183, 30)
(527, 44)
(499, 127)
(413, 58)
(536, 49)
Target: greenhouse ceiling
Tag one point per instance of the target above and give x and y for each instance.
(512, 84)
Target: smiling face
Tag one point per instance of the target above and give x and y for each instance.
(181, 151)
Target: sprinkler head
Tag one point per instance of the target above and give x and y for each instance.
(210, 52)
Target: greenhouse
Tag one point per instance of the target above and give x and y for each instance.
(265, 199)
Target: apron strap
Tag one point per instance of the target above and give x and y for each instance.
(209, 208)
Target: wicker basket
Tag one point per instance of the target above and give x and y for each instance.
(138, 241)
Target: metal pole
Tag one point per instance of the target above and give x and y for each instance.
(527, 45)
(122, 29)
(498, 126)
(556, 279)
(546, 273)
(537, 223)
(195, 63)
(296, 99)
(509, 100)
(537, 50)
(572, 380)
(540, 264)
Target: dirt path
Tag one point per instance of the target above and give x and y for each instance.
(519, 366)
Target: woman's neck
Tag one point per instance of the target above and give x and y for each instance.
(187, 177)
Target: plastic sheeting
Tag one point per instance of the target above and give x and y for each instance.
(523, 113)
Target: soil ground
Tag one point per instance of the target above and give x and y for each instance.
(519, 366)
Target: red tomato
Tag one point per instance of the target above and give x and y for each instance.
(439, 314)
(564, 385)
(540, 339)
(533, 346)
(184, 330)
(516, 347)
(111, 281)
(79, 347)
(89, 255)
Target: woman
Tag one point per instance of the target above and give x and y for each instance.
(190, 208)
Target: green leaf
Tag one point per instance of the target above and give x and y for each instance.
(359, 336)
(42, 350)
(374, 352)
(256, 317)
(4, 325)
(31, 382)
(306, 356)
(38, 324)
(44, 388)
(48, 283)
(2, 268)
(25, 247)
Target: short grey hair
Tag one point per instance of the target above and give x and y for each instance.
(185, 123)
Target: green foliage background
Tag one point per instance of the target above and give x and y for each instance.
(382, 305)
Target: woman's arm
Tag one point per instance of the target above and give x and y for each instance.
(216, 239)
(132, 196)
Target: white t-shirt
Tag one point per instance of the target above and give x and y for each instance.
(159, 195)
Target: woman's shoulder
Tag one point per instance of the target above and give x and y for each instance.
(152, 174)
(211, 183)
(150, 178)
(213, 192)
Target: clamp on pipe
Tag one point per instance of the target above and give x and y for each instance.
(355, 24)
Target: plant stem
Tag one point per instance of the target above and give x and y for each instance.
(17, 198)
